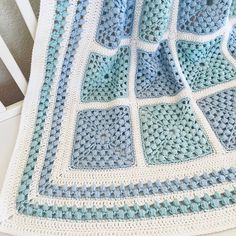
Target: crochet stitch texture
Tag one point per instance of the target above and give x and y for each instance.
(103, 139)
(157, 74)
(106, 78)
(175, 135)
(130, 126)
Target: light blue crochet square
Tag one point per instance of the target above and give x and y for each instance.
(154, 20)
(103, 139)
(157, 74)
(106, 78)
(116, 22)
(220, 110)
(202, 16)
(203, 64)
(171, 133)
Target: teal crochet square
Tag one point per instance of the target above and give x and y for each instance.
(154, 20)
(203, 64)
(103, 139)
(106, 78)
(171, 133)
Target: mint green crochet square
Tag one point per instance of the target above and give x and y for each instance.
(154, 20)
(203, 64)
(171, 133)
(106, 77)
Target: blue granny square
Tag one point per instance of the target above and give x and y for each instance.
(157, 74)
(116, 22)
(103, 139)
(202, 16)
(220, 110)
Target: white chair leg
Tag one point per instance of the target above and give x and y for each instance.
(28, 15)
(12, 66)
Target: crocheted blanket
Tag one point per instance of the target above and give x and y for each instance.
(129, 122)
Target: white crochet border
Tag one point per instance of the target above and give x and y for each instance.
(14, 223)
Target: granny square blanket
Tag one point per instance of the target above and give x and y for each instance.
(129, 122)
